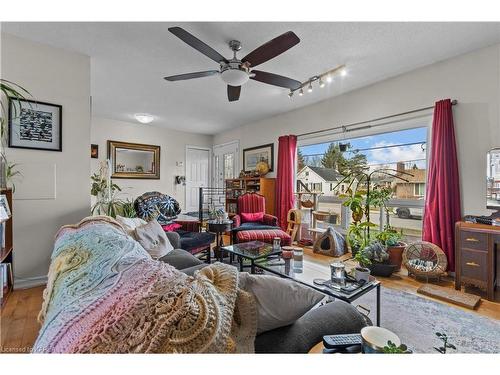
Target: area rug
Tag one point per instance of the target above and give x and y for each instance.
(416, 320)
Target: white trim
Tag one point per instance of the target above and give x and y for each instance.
(193, 147)
(30, 282)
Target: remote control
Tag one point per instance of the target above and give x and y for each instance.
(341, 341)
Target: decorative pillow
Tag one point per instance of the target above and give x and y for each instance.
(280, 302)
(152, 238)
(130, 223)
(251, 217)
(171, 227)
(155, 205)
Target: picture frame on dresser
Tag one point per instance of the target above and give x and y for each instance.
(35, 125)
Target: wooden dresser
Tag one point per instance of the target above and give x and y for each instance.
(476, 256)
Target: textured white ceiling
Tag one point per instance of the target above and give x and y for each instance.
(129, 61)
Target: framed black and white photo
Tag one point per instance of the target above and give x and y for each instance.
(254, 155)
(35, 125)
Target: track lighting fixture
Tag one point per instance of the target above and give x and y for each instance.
(320, 78)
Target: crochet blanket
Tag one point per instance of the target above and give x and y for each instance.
(106, 295)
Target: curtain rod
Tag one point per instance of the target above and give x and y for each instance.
(345, 127)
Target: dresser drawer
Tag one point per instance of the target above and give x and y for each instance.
(474, 240)
(474, 264)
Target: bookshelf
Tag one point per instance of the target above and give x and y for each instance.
(236, 187)
(7, 250)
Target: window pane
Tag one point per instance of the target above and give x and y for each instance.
(228, 166)
(398, 162)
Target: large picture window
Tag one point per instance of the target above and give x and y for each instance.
(323, 166)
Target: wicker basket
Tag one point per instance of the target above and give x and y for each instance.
(425, 259)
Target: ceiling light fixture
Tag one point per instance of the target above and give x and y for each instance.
(320, 78)
(144, 118)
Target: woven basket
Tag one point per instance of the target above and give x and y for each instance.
(425, 259)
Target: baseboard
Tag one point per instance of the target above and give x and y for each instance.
(29, 282)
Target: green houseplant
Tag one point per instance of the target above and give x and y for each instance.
(8, 170)
(106, 193)
(362, 272)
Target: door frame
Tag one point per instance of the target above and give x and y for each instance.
(237, 165)
(193, 147)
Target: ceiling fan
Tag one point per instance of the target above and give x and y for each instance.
(237, 72)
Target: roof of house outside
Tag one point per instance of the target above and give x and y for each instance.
(417, 176)
(327, 174)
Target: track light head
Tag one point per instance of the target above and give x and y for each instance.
(310, 88)
(290, 94)
(329, 78)
(301, 92)
(321, 83)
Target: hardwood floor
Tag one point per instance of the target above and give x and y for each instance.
(18, 320)
(19, 327)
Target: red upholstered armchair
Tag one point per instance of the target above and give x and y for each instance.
(253, 203)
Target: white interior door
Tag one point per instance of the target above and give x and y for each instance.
(226, 162)
(197, 175)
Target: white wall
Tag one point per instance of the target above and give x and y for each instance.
(55, 76)
(173, 149)
(473, 79)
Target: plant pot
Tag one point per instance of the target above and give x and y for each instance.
(396, 254)
(382, 269)
(361, 273)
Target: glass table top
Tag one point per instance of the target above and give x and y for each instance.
(252, 250)
(306, 272)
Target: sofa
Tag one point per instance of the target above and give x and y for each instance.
(336, 317)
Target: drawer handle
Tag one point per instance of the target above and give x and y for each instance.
(472, 264)
(471, 239)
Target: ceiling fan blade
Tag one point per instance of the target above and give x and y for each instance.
(272, 48)
(197, 44)
(276, 80)
(233, 93)
(181, 77)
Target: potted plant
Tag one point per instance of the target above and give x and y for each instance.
(362, 272)
(391, 239)
(377, 253)
(105, 192)
(357, 233)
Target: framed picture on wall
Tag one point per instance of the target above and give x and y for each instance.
(35, 125)
(94, 151)
(254, 155)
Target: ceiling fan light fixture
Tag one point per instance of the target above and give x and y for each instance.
(235, 77)
(144, 118)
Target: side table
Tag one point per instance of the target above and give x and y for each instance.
(219, 228)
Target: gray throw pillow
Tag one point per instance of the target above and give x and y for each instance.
(152, 237)
(280, 302)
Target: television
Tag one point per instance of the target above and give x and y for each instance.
(493, 179)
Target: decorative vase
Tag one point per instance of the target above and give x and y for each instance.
(396, 254)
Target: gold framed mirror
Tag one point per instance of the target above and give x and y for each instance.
(134, 160)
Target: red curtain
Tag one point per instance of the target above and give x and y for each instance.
(285, 198)
(442, 201)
